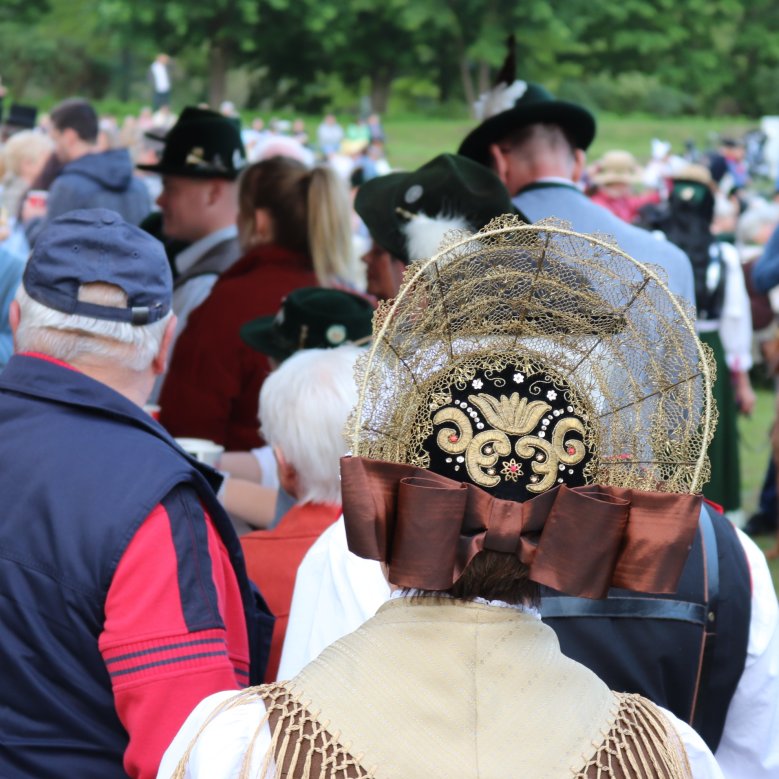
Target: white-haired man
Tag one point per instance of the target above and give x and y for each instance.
(304, 405)
(125, 597)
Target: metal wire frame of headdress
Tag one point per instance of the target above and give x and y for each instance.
(544, 298)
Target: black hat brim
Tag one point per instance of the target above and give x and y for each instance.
(386, 233)
(189, 172)
(260, 335)
(577, 121)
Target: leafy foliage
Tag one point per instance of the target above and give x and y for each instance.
(657, 56)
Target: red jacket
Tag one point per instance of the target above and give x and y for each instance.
(273, 558)
(213, 383)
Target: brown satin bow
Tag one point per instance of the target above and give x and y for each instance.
(580, 541)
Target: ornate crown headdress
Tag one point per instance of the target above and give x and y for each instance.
(537, 392)
(528, 356)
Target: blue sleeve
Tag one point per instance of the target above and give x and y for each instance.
(765, 273)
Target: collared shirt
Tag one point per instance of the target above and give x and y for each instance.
(188, 257)
(192, 292)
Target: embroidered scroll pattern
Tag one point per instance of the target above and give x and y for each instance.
(533, 419)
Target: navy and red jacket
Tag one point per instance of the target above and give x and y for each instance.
(123, 591)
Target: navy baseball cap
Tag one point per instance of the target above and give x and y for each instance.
(97, 245)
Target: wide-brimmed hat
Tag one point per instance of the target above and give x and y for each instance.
(202, 144)
(310, 318)
(21, 116)
(693, 185)
(616, 167)
(694, 172)
(512, 104)
(534, 105)
(409, 213)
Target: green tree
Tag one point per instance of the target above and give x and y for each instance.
(223, 28)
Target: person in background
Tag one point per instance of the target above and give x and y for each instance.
(125, 596)
(329, 135)
(159, 77)
(537, 146)
(309, 318)
(728, 166)
(11, 269)
(200, 163)
(755, 228)
(376, 129)
(614, 177)
(89, 177)
(24, 154)
(724, 319)
(408, 214)
(304, 405)
(294, 227)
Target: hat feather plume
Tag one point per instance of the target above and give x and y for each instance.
(424, 235)
(507, 89)
(508, 72)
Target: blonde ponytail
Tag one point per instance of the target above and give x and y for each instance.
(329, 229)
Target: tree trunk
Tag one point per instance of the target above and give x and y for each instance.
(465, 76)
(484, 77)
(381, 84)
(125, 73)
(218, 63)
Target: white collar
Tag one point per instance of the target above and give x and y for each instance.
(531, 610)
(186, 258)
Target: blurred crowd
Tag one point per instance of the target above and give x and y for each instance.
(202, 278)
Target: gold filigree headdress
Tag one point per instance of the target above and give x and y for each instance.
(528, 356)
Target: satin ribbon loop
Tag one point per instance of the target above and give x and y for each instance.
(561, 561)
(504, 526)
(425, 542)
(580, 541)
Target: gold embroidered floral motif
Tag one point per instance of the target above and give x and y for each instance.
(557, 452)
(512, 470)
(513, 414)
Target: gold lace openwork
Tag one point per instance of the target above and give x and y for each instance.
(544, 297)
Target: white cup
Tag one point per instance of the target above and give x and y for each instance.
(201, 449)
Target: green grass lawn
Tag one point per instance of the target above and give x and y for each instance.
(412, 141)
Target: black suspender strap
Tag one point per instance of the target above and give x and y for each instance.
(711, 557)
(616, 607)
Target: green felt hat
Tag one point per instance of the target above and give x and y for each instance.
(512, 104)
(202, 144)
(311, 318)
(408, 213)
(534, 105)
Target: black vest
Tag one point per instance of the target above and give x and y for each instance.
(81, 467)
(685, 651)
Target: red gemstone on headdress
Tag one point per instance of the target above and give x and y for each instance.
(571, 450)
(513, 468)
(454, 438)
